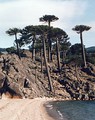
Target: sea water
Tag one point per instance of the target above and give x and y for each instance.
(72, 110)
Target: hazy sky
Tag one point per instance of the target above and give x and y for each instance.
(20, 13)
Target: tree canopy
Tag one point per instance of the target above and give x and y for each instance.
(48, 19)
(81, 28)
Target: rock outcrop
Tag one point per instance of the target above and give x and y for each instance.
(79, 82)
(24, 79)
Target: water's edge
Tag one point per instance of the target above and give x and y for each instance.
(53, 111)
(71, 110)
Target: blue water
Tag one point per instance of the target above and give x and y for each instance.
(74, 110)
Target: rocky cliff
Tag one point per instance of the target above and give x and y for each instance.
(22, 78)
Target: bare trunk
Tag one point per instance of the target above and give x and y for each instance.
(46, 63)
(49, 49)
(83, 51)
(35, 72)
(64, 55)
(41, 60)
(58, 54)
(17, 45)
(49, 44)
(49, 52)
(33, 51)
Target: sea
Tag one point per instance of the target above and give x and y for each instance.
(71, 110)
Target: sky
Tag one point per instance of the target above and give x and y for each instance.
(20, 13)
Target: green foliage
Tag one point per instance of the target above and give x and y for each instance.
(48, 18)
(81, 28)
(90, 49)
(58, 33)
(11, 50)
(91, 58)
(75, 49)
(65, 45)
(12, 31)
(20, 42)
(0, 52)
(74, 54)
(76, 59)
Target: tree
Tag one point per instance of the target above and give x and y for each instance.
(14, 31)
(74, 54)
(43, 31)
(49, 19)
(59, 36)
(75, 49)
(11, 50)
(80, 29)
(29, 35)
(65, 45)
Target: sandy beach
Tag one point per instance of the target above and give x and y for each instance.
(24, 109)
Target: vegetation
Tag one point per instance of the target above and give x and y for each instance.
(45, 39)
(11, 50)
(15, 31)
(80, 29)
(49, 19)
(90, 49)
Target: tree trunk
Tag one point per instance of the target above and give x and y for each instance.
(64, 55)
(83, 51)
(58, 54)
(41, 60)
(46, 63)
(33, 51)
(49, 51)
(49, 44)
(35, 72)
(17, 45)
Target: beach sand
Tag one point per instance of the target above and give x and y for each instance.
(24, 109)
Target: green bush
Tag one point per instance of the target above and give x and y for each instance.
(11, 50)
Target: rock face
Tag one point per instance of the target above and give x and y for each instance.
(24, 79)
(20, 79)
(79, 82)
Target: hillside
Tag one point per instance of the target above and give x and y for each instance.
(90, 49)
(25, 80)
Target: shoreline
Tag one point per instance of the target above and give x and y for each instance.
(51, 111)
(44, 110)
(22, 109)
(39, 109)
